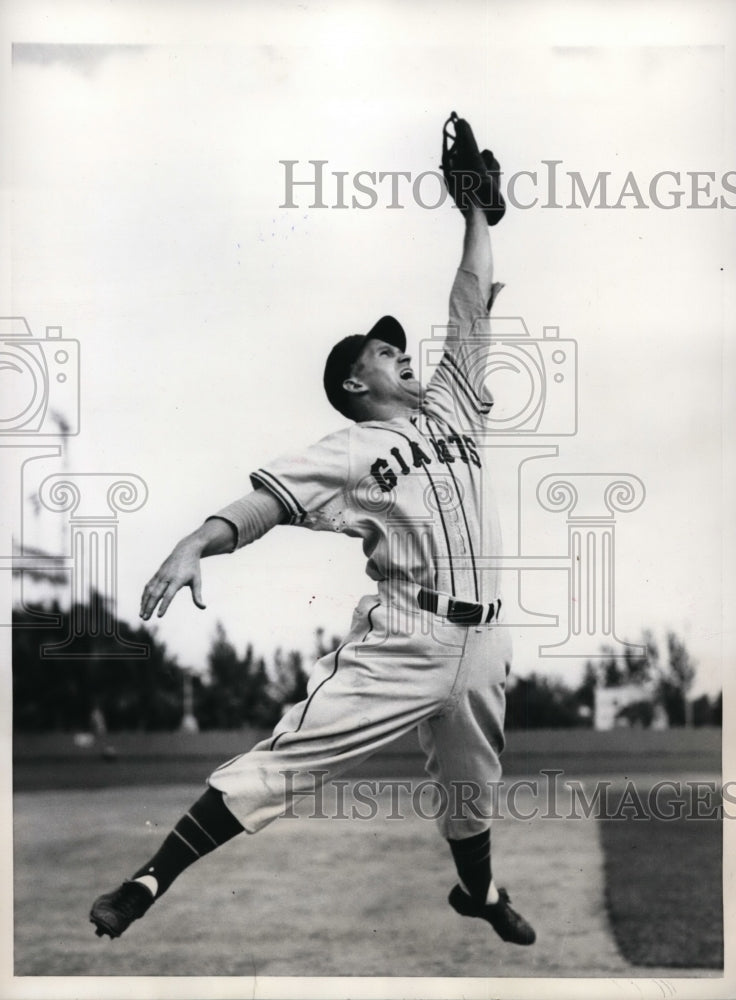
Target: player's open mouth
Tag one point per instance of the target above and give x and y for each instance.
(406, 374)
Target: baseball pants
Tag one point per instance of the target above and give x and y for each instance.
(396, 670)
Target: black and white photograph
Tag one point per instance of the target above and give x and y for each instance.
(451, 287)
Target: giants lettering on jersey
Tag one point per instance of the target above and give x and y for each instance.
(454, 448)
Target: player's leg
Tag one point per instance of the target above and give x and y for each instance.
(208, 824)
(463, 747)
(382, 683)
(360, 698)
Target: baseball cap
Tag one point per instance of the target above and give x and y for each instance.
(344, 354)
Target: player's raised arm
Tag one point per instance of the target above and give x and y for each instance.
(458, 387)
(240, 524)
(477, 252)
(473, 181)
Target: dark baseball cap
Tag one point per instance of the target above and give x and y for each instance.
(344, 354)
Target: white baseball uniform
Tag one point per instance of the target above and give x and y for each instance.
(418, 492)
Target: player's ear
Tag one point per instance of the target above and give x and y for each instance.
(354, 386)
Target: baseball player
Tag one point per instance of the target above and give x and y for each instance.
(407, 476)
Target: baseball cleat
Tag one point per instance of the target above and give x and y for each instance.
(113, 913)
(505, 921)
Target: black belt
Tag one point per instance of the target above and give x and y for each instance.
(458, 612)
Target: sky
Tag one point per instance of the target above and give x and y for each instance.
(144, 195)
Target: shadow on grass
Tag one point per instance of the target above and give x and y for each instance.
(664, 890)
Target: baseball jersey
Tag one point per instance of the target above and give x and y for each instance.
(416, 489)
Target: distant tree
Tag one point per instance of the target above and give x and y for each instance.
(585, 692)
(91, 692)
(223, 697)
(278, 688)
(144, 694)
(681, 664)
(88, 690)
(669, 684)
(242, 690)
(323, 646)
(262, 710)
(47, 694)
(703, 711)
(289, 682)
(637, 713)
(537, 702)
(631, 667)
(611, 672)
(235, 690)
(676, 680)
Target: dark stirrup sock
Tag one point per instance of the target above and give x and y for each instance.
(208, 824)
(472, 858)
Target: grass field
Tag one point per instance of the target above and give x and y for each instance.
(307, 897)
(52, 760)
(664, 890)
(332, 897)
(325, 897)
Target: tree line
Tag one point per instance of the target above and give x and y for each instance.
(91, 691)
(541, 701)
(88, 689)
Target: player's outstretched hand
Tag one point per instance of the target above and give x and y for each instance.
(181, 569)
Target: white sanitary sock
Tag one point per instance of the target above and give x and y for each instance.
(492, 896)
(150, 883)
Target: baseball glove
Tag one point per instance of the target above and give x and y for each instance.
(472, 177)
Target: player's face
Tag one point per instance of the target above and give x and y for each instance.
(387, 373)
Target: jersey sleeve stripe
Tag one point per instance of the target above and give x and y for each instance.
(267, 479)
(484, 405)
